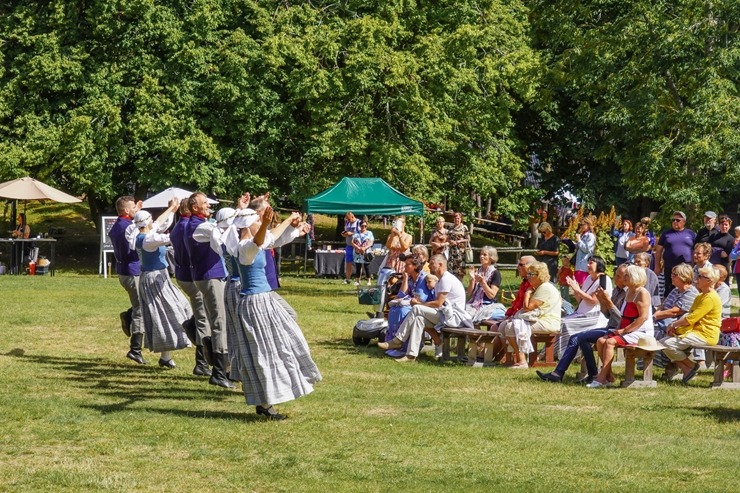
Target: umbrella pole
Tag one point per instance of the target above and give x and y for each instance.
(13, 214)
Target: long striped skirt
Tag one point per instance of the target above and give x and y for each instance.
(164, 309)
(231, 302)
(273, 358)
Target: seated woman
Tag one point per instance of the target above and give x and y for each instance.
(588, 314)
(413, 285)
(421, 252)
(22, 231)
(698, 327)
(637, 321)
(678, 301)
(723, 290)
(700, 257)
(540, 315)
(483, 289)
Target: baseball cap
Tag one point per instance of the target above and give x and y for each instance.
(679, 213)
(710, 214)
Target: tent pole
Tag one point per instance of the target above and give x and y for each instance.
(421, 230)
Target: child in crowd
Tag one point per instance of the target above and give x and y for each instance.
(431, 281)
(564, 272)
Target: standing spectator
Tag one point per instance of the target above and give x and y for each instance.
(548, 250)
(438, 240)
(351, 226)
(362, 241)
(673, 248)
(700, 256)
(585, 247)
(722, 244)
(622, 255)
(706, 234)
(563, 274)
(735, 256)
(639, 242)
(128, 268)
(458, 239)
(398, 242)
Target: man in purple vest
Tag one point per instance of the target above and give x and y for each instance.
(197, 327)
(209, 274)
(128, 269)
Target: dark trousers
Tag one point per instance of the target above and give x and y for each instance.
(582, 341)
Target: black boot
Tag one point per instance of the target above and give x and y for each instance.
(219, 377)
(190, 331)
(201, 365)
(126, 319)
(135, 352)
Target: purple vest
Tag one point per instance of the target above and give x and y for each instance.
(182, 258)
(205, 263)
(270, 271)
(127, 261)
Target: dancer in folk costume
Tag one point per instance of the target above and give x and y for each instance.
(273, 358)
(164, 308)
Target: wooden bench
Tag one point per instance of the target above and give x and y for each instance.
(721, 355)
(631, 354)
(549, 341)
(471, 337)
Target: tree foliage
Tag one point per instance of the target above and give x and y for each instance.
(226, 95)
(642, 99)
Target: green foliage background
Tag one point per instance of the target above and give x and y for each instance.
(621, 101)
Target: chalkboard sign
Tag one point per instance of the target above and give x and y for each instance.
(106, 246)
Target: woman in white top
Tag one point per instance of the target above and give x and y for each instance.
(588, 313)
(637, 321)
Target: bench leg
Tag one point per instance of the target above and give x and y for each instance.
(647, 367)
(472, 353)
(488, 354)
(461, 347)
(445, 347)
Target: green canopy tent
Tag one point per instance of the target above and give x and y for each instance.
(371, 196)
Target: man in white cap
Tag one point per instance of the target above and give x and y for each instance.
(709, 231)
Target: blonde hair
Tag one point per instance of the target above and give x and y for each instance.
(540, 270)
(635, 276)
(711, 273)
(545, 227)
(431, 277)
(684, 272)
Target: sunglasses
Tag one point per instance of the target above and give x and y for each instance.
(521, 265)
(705, 278)
(677, 220)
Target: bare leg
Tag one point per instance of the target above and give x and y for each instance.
(605, 375)
(434, 335)
(349, 267)
(519, 357)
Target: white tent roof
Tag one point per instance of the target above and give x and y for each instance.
(161, 200)
(29, 189)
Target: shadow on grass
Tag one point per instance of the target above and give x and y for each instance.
(372, 351)
(132, 384)
(720, 414)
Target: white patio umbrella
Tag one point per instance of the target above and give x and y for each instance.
(29, 189)
(161, 200)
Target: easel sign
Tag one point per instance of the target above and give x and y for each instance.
(106, 246)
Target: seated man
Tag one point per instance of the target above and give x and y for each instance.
(653, 284)
(449, 294)
(610, 307)
(698, 327)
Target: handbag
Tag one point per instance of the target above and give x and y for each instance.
(370, 296)
(730, 325)
(369, 257)
(469, 258)
(530, 316)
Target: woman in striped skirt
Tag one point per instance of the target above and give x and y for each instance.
(163, 306)
(272, 354)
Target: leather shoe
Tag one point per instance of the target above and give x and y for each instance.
(221, 382)
(691, 374)
(136, 357)
(169, 364)
(392, 344)
(202, 371)
(548, 377)
(270, 413)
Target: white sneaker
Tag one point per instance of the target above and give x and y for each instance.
(369, 282)
(438, 351)
(357, 283)
(595, 385)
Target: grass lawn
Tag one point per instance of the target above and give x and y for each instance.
(78, 416)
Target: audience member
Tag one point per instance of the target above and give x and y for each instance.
(362, 241)
(438, 239)
(698, 327)
(458, 239)
(637, 321)
(611, 308)
(674, 247)
(679, 300)
(564, 273)
(585, 243)
(722, 244)
(351, 226)
(622, 236)
(548, 249)
(653, 285)
(398, 243)
(483, 289)
(723, 290)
